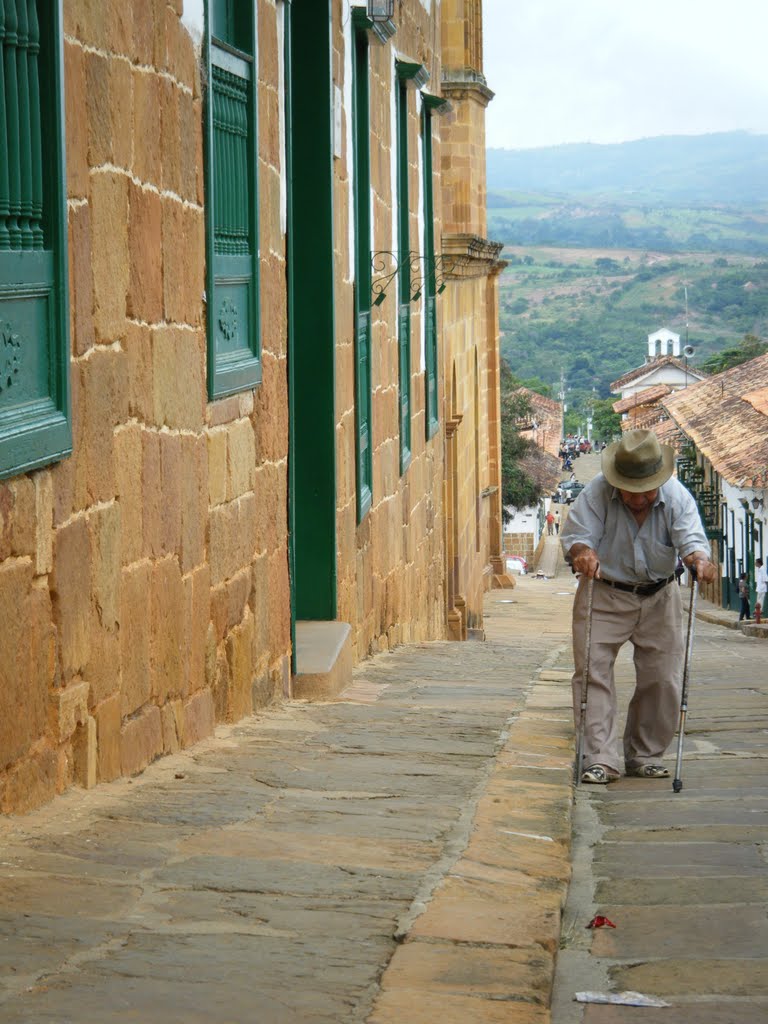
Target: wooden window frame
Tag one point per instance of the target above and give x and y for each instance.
(232, 263)
(430, 291)
(35, 422)
(403, 214)
(361, 156)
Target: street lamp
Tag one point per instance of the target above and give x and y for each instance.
(381, 10)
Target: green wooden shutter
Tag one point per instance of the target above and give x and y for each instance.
(34, 311)
(362, 208)
(404, 276)
(234, 348)
(430, 290)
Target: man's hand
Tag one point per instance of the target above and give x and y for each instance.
(584, 561)
(704, 569)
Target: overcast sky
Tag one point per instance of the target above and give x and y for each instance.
(612, 70)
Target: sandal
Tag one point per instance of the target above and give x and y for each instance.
(599, 775)
(649, 771)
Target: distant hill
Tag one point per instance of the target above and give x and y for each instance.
(723, 167)
(606, 244)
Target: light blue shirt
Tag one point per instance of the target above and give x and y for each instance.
(630, 553)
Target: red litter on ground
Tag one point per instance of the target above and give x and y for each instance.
(600, 922)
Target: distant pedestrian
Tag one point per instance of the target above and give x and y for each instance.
(761, 585)
(557, 522)
(550, 523)
(744, 596)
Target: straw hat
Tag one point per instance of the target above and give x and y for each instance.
(638, 462)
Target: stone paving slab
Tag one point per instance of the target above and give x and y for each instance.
(476, 971)
(285, 869)
(682, 889)
(680, 858)
(665, 930)
(705, 1013)
(689, 976)
(416, 1007)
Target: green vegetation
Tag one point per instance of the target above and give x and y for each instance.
(598, 222)
(748, 348)
(588, 312)
(606, 424)
(607, 244)
(518, 490)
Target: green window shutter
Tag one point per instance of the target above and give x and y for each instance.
(430, 290)
(232, 228)
(34, 313)
(362, 212)
(404, 275)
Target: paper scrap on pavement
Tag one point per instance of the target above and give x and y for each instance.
(619, 998)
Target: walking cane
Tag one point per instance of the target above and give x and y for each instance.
(584, 686)
(677, 782)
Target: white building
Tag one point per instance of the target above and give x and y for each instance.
(664, 365)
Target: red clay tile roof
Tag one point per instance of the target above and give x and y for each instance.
(758, 400)
(649, 367)
(548, 415)
(645, 397)
(669, 433)
(543, 468)
(723, 417)
(645, 419)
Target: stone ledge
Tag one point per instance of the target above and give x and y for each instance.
(323, 660)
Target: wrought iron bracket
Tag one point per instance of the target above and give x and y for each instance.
(386, 265)
(438, 267)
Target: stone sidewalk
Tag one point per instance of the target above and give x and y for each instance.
(399, 855)
(682, 876)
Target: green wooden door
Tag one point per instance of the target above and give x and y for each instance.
(311, 313)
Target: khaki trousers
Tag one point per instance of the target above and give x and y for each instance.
(654, 626)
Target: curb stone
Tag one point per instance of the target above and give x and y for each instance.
(484, 947)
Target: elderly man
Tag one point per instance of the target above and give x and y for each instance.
(626, 530)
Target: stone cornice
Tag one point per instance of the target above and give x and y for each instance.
(466, 83)
(466, 255)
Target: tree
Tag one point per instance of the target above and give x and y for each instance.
(605, 422)
(518, 489)
(748, 348)
(537, 384)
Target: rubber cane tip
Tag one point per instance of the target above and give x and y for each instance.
(677, 785)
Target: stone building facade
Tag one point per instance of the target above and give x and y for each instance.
(261, 463)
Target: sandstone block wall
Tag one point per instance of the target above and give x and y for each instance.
(144, 587)
(390, 566)
(467, 360)
(470, 336)
(143, 581)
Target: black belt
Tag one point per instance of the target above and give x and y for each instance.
(642, 589)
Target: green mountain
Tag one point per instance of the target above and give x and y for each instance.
(723, 167)
(608, 243)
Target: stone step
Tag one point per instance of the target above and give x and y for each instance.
(323, 659)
